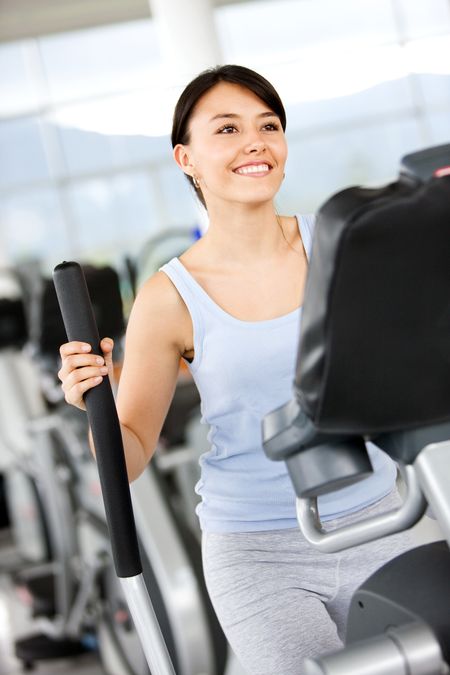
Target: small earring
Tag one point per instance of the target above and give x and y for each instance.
(284, 176)
(196, 183)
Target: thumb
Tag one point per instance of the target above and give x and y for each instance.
(107, 346)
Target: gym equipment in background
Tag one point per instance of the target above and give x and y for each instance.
(160, 248)
(70, 583)
(43, 493)
(374, 363)
(22, 492)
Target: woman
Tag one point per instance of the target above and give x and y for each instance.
(230, 306)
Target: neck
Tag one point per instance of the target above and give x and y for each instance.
(242, 233)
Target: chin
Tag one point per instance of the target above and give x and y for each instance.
(249, 194)
(257, 196)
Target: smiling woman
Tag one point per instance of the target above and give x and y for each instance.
(230, 306)
(248, 141)
(223, 121)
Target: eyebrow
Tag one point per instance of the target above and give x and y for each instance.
(235, 116)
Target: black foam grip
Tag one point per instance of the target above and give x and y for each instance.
(79, 322)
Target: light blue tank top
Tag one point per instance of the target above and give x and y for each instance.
(243, 370)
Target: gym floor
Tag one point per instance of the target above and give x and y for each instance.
(16, 623)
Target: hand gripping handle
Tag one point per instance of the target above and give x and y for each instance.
(79, 322)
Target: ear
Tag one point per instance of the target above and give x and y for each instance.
(182, 156)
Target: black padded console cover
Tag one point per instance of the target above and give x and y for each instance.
(375, 341)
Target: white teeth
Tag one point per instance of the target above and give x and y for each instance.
(254, 168)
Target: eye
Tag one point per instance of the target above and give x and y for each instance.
(227, 129)
(271, 126)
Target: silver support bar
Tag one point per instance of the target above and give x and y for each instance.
(59, 511)
(147, 626)
(367, 530)
(433, 471)
(403, 650)
(81, 601)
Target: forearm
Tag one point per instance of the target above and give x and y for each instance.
(135, 456)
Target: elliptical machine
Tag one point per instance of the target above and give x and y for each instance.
(374, 364)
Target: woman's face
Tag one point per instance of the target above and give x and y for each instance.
(237, 147)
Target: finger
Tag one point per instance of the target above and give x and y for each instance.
(75, 377)
(74, 361)
(74, 348)
(75, 394)
(107, 344)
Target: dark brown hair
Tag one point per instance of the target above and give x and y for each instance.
(208, 79)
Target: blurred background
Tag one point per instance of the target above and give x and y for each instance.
(87, 91)
(88, 88)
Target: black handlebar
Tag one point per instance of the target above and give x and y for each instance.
(79, 322)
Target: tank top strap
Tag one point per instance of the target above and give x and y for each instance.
(306, 226)
(187, 288)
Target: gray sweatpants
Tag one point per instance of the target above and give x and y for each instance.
(279, 600)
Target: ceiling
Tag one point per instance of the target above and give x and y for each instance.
(22, 19)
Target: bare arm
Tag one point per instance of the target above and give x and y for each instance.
(153, 348)
(155, 340)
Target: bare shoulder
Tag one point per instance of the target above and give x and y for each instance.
(160, 312)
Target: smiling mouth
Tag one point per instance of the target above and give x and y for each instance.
(253, 170)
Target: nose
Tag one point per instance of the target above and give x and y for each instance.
(255, 146)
